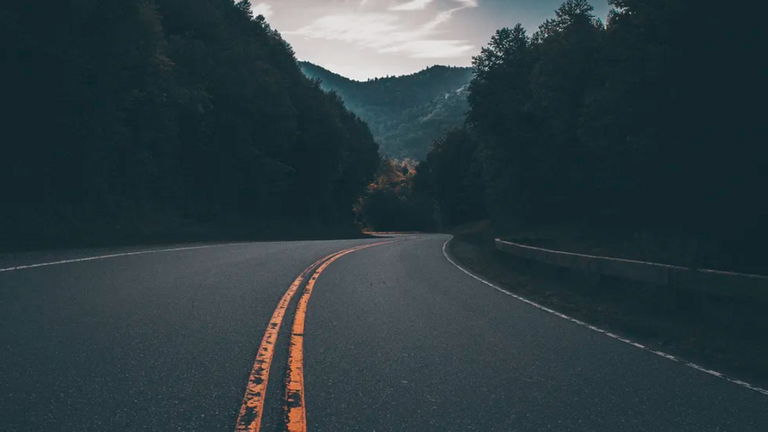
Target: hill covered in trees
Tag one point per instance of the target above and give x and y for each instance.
(133, 119)
(646, 127)
(405, 113)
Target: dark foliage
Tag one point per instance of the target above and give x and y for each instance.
(391, 202)
(406, 113)
(649, 124)
(144, 115)
(452, 175)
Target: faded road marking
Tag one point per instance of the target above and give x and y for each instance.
(251, 411)
(252, 408)
(116, 255)
(295, 407)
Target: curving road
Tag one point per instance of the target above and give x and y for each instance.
(393, 338)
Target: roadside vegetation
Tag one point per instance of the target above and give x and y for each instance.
(393, 203)
(639, 137)
(167, 119)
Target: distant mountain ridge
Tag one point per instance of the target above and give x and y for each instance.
(405, 113)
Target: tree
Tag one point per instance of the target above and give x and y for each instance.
(500, 112)
(648, 126)
(453, 176)
(182, 115)
(245, 6)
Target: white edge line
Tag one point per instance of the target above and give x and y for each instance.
(116, 255)
(606, 333)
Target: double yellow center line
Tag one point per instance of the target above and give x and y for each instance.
(252, 409)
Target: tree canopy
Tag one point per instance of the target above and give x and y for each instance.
(146, 114)
(648, 123)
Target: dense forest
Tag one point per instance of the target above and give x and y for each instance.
(127, 119)
(405, 113)
(647, 125)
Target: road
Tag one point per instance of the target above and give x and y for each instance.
(394, 338)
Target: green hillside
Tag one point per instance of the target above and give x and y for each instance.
(406, 113)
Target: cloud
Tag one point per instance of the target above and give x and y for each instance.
(367, 29)
(263, 9)
(411, 5)
(439, 19)
(432, 48)
(386, 32)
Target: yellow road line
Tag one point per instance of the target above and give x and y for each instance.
(295, 407)
(252, 408)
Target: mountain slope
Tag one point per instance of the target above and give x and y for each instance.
(181, 113)
(407, 113)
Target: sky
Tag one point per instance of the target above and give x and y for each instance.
(363, 39)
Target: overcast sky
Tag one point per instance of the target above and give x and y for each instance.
(362, 39)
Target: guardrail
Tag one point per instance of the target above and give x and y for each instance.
(714, 281)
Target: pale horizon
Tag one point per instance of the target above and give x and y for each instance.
(366, 39)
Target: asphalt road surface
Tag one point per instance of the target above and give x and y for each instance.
(389, 337)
